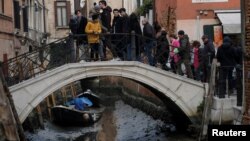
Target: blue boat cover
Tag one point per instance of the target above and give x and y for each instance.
(80, 103)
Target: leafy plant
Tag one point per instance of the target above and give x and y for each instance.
(147, 5)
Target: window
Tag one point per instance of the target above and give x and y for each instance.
(17, 14)
(1, 6)
(62, 13)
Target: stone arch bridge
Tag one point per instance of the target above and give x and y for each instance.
(185, 93)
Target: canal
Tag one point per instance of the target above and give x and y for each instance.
(119, 122)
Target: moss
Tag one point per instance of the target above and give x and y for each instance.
(200, 108)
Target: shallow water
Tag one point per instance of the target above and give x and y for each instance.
(120, 122)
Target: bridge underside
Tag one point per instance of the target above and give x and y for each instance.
(187, 94)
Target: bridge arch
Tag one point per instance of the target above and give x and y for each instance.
(185, 93)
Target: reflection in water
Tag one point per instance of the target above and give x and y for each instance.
(120, 122)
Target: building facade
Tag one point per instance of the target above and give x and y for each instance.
(195, 17)
(7, 48)
(24, 26)
(59, 14)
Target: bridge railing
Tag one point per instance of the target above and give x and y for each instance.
(27, 65)
(124, 47)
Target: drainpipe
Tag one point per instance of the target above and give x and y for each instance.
(198, 27)
(243, 43)
(44, 18)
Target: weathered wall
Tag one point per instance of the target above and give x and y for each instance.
(6, 31)
(165, 14)
(8, 128)
(246, 118)
(183, 14)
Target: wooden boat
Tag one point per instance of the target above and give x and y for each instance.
(68, 115)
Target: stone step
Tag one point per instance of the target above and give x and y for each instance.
(226, 103)
(222, 116)
(237, 115)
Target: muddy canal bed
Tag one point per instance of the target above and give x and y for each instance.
(119, 122)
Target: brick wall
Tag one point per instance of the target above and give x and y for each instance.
(128, 84)
(246, 119)
(6, 30)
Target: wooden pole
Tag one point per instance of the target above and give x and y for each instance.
(11, 123)
(63, 91)
(53, 99)
(40, 116)
(48, 107)
(73, 90)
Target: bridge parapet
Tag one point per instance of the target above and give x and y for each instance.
(185, 93)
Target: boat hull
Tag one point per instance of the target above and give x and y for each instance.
(69, 116)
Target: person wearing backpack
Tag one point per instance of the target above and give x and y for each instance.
(184, 52)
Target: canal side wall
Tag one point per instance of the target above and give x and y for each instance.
(224, 110)
(142, 97)
(131, 92)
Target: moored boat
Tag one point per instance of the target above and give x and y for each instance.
(90, 113)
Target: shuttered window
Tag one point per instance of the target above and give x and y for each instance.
(17, 14)
(25, 19)
(62, 13)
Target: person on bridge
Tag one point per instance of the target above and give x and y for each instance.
(207, 55)
(149, 34)
(195, 59)
(105, 17)
(81, 24)
(184, 52)
(226, 57)
(174, 58)
(93, 30)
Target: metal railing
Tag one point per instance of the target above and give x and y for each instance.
(126, 47)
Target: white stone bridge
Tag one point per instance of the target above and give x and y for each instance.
(185, 93)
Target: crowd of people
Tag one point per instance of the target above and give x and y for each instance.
(174, 52)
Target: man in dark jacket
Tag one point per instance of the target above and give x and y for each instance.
(148, 33)
(226, 58)
(105, 15)
(207, 55)
(81, 24)
(116, 22)
(124, 20)
(184, 52)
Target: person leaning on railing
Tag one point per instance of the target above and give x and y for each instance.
(226, 58)
(93, 30)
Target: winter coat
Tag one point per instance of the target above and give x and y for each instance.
(81, 24)
(196, 62)
(93, 29)
(175, 44)
(148, 31)
(226, 53)
(208, 52)
(116, 25)
(73, 25)
(184, 49)
(106, 17)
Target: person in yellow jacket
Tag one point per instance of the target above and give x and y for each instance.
(93, 30)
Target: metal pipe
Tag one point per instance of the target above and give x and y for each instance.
(243, 33)
(44, 18)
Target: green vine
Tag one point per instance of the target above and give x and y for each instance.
(147, 5)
